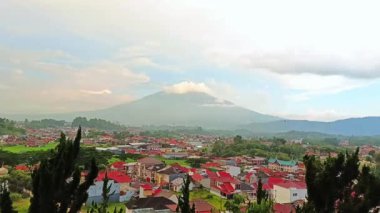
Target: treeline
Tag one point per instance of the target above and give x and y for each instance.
(34, 157)
(44, 123)
(8, 127)
(254, 147)
(97, 124)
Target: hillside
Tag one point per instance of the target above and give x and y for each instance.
(368, 126)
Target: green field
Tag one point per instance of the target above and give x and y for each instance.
(22, 148)
(181, 162)
(22, 206)
(213, 199)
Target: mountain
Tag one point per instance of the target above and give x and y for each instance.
(367, 126)
(162, 108)
(189, 109)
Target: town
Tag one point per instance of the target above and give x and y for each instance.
(147, 169)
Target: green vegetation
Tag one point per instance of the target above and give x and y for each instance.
(167, 161)
(22, 206)
(44, 123)
(23, 149)
(254, 147)
(51, 190)
(338, 183)
(214, 200)
(8, 127)
(97, 124)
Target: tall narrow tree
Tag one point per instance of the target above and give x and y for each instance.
(56, 183)
(5, 200)
(184, 198)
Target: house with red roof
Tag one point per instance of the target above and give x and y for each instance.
(289, 191)
(22, 167)
(224, 184)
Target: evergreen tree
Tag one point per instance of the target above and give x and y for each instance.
(56, 183)
(5, 200)
(184, 198)
(106, 194)
(337, 184)
(260, 193)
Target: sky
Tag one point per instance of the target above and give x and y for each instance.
(316, 60)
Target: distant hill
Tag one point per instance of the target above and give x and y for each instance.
(367, 126)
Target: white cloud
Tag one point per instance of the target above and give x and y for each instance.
(318, 115)
(188, 86)
(99, 92)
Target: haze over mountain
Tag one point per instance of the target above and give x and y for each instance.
(163, 108)
(201, 109)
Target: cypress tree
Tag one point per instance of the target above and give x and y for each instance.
(184, 198)
(5, 201)
(56, 183)
(260, 193)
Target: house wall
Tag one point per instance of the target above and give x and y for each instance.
(297, 194)
(205, 182)
(95, 192)
(281, 195)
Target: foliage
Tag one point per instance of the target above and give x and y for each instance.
(254, 147)
(196, 162)
(97, 124)
(234, 204)
(8, 127)
(56, 183)
(44, 123)
(338, 184)
(266, 206)
(17, 181)
(184, 198)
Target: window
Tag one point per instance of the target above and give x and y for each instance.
(294, 194)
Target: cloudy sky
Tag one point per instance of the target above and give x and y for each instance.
(301, 59)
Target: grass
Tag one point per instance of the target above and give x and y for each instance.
(213, 199)
(181, 162)
(22, 206)
(22, 148)
(110, 208)
(115, 159)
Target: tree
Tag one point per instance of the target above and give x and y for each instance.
(5, 200)
(338, 184)
(234, 204)
(266, 206)
(260, 193)
(106, 194)
(56, 183)
(184, 198)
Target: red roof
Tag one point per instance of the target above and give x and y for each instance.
(210, 165)
(197, 177)
(224, 174)
(297, 185)
(146, 187)
(272, 181)
(227, 188)
(283, 208)
(117, 176)
(211, 174)
(22, 168)
(118, 164)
